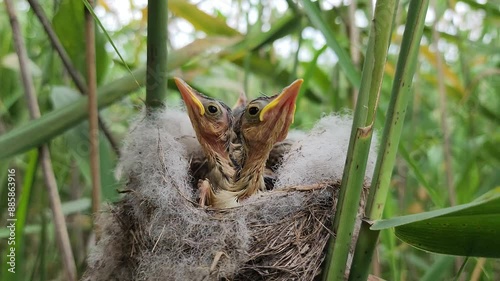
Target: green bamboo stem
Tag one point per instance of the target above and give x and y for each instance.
(359, 145)
(56, 122)
(156, 73)
(390, 138)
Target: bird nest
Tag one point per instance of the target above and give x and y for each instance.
(157, 231)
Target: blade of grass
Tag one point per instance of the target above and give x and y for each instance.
(360, 140)
(390, 138)
(345, 62)
(461, 270)
(310, 77)
(431, 190)
(42, 274)
(91, 10)
(438, 268)
(265, 69)
(22, 206)
(309, 72)
(200, 20)
(282, 27)
(68, 208)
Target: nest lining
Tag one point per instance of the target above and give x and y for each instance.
(157, 231)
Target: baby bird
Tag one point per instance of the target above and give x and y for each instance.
(264, 122)
(237, 153)
(212, 122)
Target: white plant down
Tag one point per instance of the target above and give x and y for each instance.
(320, 155)
(184, 239)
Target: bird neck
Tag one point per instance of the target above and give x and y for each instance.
(220, 171)
(250, 178)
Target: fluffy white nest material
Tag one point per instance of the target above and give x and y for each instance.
(157, 231)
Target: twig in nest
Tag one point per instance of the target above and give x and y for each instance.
(217, 257)
(157, 240)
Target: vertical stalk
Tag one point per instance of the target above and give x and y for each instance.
(314, 14)
(354, 43)
(93, 112)
(442, 116)
(390, 138)
(359, 144)
(443, 113)
(156, 73)
(50, 180)
(68, 65)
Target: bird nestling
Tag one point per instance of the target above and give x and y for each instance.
(264, 122)
(212, 122)
(260, 125)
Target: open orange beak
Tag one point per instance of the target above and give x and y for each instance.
(279, 113)
(285, 101)
(190, 97)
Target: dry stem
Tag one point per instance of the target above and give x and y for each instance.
(68, 65)
(50, 180)
(93, 114)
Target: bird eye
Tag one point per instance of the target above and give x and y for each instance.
(253, 110)
(212, 109)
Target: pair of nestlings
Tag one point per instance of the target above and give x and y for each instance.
(237, 146)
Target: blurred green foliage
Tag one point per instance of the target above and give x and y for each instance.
(260, 47)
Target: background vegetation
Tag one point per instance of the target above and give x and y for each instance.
(448, 154)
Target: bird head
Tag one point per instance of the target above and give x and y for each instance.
(266, 120)
(211, 119)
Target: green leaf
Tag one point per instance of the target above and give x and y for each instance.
(436, 196)
(11, 61)
(22, 210)
(38, 131)
(200, 20)
(309, 72)
(345, 62)
(69, 25)
(438, 269)
(75, 206)
(77, 140)
(68, 208)
(467, 230)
